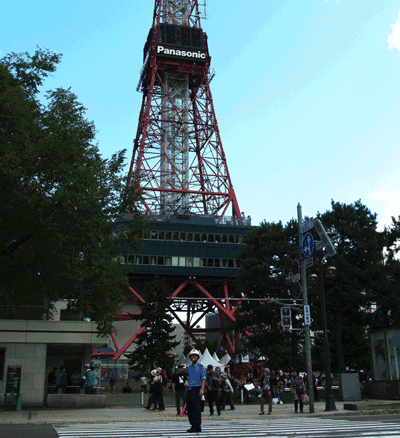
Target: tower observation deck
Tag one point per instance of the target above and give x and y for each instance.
(195, 227)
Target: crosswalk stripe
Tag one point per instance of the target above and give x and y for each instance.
(282, 428)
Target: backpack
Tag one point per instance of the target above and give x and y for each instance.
(233, 382)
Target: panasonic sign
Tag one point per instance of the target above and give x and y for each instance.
(161, 50)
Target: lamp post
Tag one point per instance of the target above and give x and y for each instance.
(329, 402)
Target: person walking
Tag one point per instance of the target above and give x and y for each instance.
(153, 391)
(213, 386)
(227, 390)
(266, 391)
(113, 381)
(297, 388)
(179, 388)
(278, 385)
(196, 383)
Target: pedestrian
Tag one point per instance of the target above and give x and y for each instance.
(113, 381)
(51, 381)
(278, 384)
(213, 386)
(76, 381)
(61, 380)
(96, 380)
(88, 379)
(196, 384)
(179, 388)
(297, 388)
(266, 391)
(227, 391)
(153, 391)
(161, 384)
(144, 380)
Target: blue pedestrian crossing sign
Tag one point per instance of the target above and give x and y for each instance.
(308, 245)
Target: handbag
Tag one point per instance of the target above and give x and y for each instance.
(305, 399)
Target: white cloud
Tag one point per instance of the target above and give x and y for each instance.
(392, 207)
(394, 39)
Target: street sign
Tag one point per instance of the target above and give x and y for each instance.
(307, 317)
(296, 290)
(319, 245)
(289, 278)
(308, 262)
(295, 267)
(308, 245)
(307, 224)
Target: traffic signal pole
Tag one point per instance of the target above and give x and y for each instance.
(305, 303)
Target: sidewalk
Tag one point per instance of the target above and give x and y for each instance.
(108, 414)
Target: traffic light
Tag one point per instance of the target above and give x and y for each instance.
(330, 249)
(286, 317)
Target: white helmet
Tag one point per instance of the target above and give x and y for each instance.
(194, 352)
(154, 373)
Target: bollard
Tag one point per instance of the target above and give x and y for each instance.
(142, 399)
(19, 404)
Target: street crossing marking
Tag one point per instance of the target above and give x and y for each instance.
(271, 428)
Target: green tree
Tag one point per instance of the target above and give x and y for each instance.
(153, 345)
(266, 259)
(60, 198)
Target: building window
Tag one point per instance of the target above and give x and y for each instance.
(197, 237)
(189, 237)
(189, 262)
(153, 260)
(175, 236)
(204, 238)
(168, 235)
(218, 238)
(168, 261)
(224, 238)
(196, 262)
(217, 263)
(231, 263)
(183, 237)
(211, 238)
(138, 260)
(161, 235)
(153, 235)
(182, 261)
(2, 362)
(237, 263)
(231, 238)
(160, 260)
(175, 261)
(131, 258)
(238, 239)
(203, 262)
(210, 263)
(224, 263)
(146, 260)
(146, 234)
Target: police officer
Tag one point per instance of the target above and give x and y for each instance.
(196, 384)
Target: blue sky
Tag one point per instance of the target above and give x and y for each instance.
(306, 92)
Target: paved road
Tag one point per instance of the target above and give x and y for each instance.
(278, 428)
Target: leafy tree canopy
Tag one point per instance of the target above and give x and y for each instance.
(60, 198)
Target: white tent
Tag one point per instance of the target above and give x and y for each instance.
(207, 359)
(215, 357)
(225, 359)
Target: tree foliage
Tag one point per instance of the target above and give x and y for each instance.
(153, 345)
(59, 199)
(363, 295)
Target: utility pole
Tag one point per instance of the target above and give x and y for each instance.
(306, 309)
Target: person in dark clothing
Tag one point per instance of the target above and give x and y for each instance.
(213, 386)
(51, 381)
(179, 388)
(154, 387)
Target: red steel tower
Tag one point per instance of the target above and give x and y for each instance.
(180, 166)
(178, 155)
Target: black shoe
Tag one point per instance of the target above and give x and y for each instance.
(232, 408)
(194, 430)
(178, 414)
(211, 413)
(219, 413)
(146, 407)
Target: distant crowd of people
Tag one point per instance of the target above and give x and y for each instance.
(58, 380)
